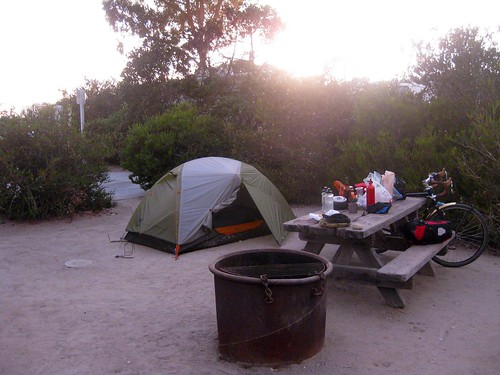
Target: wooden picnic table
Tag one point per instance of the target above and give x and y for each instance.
(362, 237)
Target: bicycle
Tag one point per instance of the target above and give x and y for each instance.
(471, 230)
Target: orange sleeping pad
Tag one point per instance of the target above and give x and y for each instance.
(238, 228)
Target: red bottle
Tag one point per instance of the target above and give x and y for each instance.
(370, 194)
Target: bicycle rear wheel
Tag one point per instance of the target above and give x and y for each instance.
(471, 234)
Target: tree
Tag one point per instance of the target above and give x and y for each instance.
(170, 139)
(179, 36)
(102, 100)
(255, 19)
(462, 70)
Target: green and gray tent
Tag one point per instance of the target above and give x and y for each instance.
(208, 202)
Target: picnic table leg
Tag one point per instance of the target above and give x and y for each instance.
(343, 255)
(369, 256)
(313, 247)
(427, 270)
(393, 297)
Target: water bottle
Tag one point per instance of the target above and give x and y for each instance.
(329, 200)
(370, 194)
(323, 199)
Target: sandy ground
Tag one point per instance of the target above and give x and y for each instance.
(152, 314)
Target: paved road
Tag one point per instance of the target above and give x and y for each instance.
(123, 188)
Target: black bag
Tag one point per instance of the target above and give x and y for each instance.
(428, 232)
(379, 208)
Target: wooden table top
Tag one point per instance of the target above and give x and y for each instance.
(368, 224)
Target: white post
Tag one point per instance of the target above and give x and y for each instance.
(80, 99)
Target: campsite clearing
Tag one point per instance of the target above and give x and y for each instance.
(152, 314)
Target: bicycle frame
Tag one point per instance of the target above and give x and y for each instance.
(436, 207)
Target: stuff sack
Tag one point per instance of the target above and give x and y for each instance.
(428, 232)
(379, 208)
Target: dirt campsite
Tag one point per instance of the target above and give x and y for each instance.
(75, 299)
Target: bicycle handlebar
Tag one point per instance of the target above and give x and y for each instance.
(435, 180)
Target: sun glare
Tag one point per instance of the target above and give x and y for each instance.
(331, 37)
(362, 39)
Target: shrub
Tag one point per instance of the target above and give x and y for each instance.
(48, 169)
(111, 133)
(170, 139)
(476, 154)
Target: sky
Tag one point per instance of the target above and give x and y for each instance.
(53, 45)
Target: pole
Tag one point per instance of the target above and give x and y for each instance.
(80, 99)
(82, 117)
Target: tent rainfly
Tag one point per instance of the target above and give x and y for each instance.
(208, 202)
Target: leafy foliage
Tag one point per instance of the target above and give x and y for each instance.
(178, 36)
(103, 99)
(109, 132)
(461, 71)
(477, 159)
(48, 169)
(170, 139)
(284, 126)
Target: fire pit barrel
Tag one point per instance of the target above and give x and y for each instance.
(271, 305)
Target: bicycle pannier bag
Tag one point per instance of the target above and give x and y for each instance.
(429, 232)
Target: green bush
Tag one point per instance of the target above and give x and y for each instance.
(411, 159)
(170, 139)
(111, 133)
(476, 154)
(284, 126)
(48, 169)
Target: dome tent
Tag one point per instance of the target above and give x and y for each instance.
(208, 202)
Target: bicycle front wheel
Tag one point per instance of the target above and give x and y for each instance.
(471, 234)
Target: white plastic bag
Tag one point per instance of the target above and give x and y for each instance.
(374, 176)
(388, 181)
(381, 193)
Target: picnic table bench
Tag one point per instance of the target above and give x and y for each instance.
(362, 237)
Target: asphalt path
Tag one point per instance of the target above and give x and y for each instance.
(122, 188)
